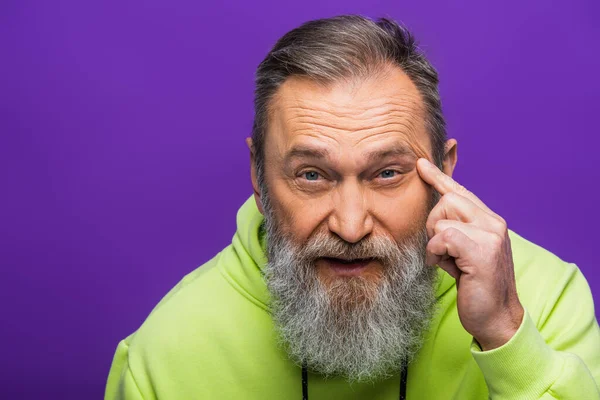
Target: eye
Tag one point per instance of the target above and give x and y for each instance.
(388, 173)
(311, 175)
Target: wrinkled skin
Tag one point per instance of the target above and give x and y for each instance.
(343, 159)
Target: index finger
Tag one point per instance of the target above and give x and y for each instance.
(444, 183)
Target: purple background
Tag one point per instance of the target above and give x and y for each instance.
(122, 155)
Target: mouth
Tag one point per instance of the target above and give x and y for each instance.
(347, 267)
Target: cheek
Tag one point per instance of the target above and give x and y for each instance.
(298, 216)
(403, 211)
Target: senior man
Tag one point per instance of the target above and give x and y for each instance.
(360, 269)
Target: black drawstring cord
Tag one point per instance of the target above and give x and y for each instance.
(403, 380)
(304, 382)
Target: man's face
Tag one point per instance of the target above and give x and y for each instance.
(345, 214)
(342, 160)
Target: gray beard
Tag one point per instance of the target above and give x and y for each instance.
(361, 329)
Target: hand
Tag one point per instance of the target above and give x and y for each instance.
(471, 243)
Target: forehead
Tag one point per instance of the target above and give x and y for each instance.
(385, 109)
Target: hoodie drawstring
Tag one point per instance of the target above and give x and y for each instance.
(403, 379)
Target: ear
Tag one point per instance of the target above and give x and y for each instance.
(253, 177)
(450, 156)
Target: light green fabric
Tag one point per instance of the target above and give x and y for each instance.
(211, 337)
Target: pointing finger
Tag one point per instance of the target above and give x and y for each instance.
(445, 184)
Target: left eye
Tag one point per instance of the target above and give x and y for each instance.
(388, 173)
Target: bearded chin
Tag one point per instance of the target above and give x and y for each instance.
(355, 327)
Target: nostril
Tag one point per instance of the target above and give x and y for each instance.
(350, 224)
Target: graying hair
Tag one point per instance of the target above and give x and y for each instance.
(354, 327)
(347, 46)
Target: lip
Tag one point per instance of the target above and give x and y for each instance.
(345, 268)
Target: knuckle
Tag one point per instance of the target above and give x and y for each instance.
(449, 233)
(503, 224)
(500, 226)
(439, 226)
(450, 199)
(460, 188)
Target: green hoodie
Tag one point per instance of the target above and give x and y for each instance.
(212, 337)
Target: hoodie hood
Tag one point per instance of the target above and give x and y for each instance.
(248, 246)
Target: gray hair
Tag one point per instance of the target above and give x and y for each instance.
(331, 49)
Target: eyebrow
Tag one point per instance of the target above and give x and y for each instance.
(396, 151)
(376, 155)
(306, 152)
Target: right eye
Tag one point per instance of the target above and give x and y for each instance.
(311, 175)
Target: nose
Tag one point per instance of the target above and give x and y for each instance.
(350, 219)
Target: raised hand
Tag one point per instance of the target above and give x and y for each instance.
(471, 243)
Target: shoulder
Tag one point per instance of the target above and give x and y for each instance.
(542, 277)
(202, 313)
(192, 342)
(533, 262)
(530, 258)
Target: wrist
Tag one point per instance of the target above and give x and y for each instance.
(502, 330)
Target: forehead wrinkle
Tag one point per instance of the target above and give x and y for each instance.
(333, 109)
(408, 142)
(406, 127)
(400, 146)
(396, 117)
(355, 118)
(400, 111)
(335, 136)
(335, 115)
(354, 97)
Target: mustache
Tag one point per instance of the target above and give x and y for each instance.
(322, 245)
